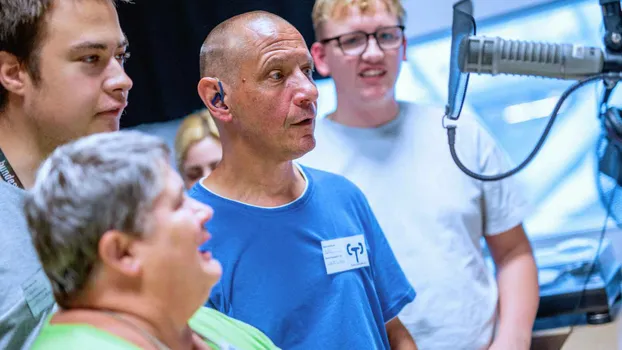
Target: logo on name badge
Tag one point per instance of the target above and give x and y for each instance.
(343, 254)
(350, 249)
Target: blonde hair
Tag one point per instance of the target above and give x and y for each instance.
(324, 10)
(194, 128)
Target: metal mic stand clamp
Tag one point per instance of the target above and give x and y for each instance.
(612, 21)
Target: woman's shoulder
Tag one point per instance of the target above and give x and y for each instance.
(76, 336)
(219, 328)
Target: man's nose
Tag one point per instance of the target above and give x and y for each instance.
(373, 52)
(307, 92)
(117, 82)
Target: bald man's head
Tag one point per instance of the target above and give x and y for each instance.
(225, 46)
(257, 82)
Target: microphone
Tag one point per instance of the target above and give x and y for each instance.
(484, 55)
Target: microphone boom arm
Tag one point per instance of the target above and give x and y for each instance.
(610, 72)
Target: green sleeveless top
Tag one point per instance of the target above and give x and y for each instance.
(220, 331)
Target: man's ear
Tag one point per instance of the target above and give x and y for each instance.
(212, 92)
(13, 76)
(116, 252)
(318, 53)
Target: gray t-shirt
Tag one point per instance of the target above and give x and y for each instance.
(433, 215)
(26, 297)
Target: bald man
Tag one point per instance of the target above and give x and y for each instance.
(303, 256)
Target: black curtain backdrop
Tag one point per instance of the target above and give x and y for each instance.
(165, 38)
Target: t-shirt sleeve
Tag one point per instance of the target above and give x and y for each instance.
(504, 205)
(216, 299)
(393, 289)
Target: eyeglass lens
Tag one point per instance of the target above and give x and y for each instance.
(355, 43)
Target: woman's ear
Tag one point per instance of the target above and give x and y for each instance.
(116, 253)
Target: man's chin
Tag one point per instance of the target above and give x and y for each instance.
(307, 145)
(378, 88)
(375, 94)
(104, 126)
(212, 275)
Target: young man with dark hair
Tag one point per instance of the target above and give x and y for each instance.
(61, 78)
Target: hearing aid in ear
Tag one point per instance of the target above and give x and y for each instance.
(219, 95)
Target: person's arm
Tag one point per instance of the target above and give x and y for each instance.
(517, 278)
(394, 291)
(399, 338)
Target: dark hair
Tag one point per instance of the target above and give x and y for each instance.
(22, 29)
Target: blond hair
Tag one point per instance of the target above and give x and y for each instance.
(324, 10)
(194, 128)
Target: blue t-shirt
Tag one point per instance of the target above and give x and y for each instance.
(275, 277)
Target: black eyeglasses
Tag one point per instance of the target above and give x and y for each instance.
(355, 43)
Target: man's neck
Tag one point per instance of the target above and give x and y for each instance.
(20, 146)
(370, 114)
(255, 180)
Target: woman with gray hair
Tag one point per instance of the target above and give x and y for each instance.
(118, 239)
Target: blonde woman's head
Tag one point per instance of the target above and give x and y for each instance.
(197, 147)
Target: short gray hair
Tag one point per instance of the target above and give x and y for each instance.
(102, 182)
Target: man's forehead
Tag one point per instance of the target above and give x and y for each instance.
(260, 27)
(270, 38)
(264, 28)
(283, 52)
(343, 10)
(346, 13)
(84, 21)
(353, 19)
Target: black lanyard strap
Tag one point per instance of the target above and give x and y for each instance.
(7, 173)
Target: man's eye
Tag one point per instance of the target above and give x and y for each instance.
(276, 75)
(123, 57)
(387, 36)
(90, 59)
(308, 71)
(352, 40)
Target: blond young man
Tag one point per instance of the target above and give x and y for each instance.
(433, 215)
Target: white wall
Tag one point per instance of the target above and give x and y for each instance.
(428, 16)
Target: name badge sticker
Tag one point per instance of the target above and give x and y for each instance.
(38, 293)
(343, 254)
